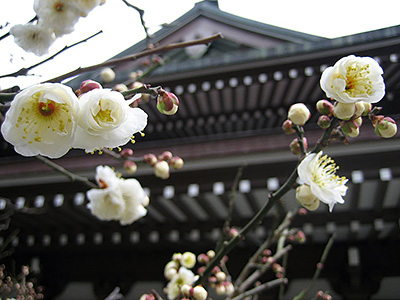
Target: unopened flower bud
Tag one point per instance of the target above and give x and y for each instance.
(229, 288)
(359, 109)
(107, 75)
(313, 205)
(385, 127)
(344, 111)
(367, 108)
(302, 211)
(350, 128)
(220, 289)
(150, 159)
(211, 254)
(130, 167)
(176, 162)
(358, 121)
(161, 169)
(324, 122)
(287, 127)
(295, 146)
(203, 258)
(127, 152)
(167, 103)
(188, 260)
(199, 293)
(299, 114)
(176, 256)
(233, 232)
(186, 290)
(89, 85)
(221, 276)
(304, 195)
(158, 60)
(166, 155)
(120, 87)
(324, 107)
(300, 236)
(147, 297)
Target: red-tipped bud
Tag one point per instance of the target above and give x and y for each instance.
(233, 232)
(166, 155)
(295, 146)
(300, 236)
(287, 127)
(89, 85)
(384, 126)
(350, 128)
(302, 211)
(324, 122)
(127, 152)
(130, 167)
(203, 258)
(167, 103)
(150, 159)
(176, 162)
(324, 107)
(158, 60)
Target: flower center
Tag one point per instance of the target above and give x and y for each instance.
(59, 6)
(104, 115)
(102, 184)
(47, 109)
(325, 172)
(41, 118)
(357, 80)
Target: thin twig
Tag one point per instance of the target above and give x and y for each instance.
(70, 175)
(24, 71)
(136, 56)
(318, 269)
(141, 14)
(261, 288)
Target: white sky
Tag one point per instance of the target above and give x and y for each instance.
(122, 28)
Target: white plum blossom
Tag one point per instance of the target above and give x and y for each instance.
(319, 173)
(33, 38)
(107, 120)
(85, 6)
(188, 260)
(58, 15)
(182, 277)
(42, 120)
(117, 199)
(354, 79)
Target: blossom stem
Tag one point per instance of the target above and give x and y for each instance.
(260, 288)
(119, 157)
(324, 140)
(141, 13)
(229, 245)
(70, 175)
(136, 56)
(318, 270)
(300, 134)
(143, 89)
(24, 71)
(268, 242)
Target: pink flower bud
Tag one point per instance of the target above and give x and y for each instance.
(324, 122)
(287, 127)
(295, 146)
(130, 167)
(166, 155)
(324, 107)
(176, 162)
(203, 258)
(350, 128)
(299, 114)
(233, 232)
(150, 159)
(384, 126)
(120, 87)
(300, 236)
(127, 152)
(302, 211)
(167, 103)
(89, 85)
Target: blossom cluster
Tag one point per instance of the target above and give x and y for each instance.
(49, 119)
(55, 18)
(118, 199)
(163, 162)
(181, 278)
(352, 85)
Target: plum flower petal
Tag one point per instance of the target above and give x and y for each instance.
(354, 79)
(33, 38)
(319, 172)
(117, 199)
(42, 120)
(106, 120)
(183, 276)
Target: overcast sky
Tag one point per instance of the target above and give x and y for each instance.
(121, 26)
